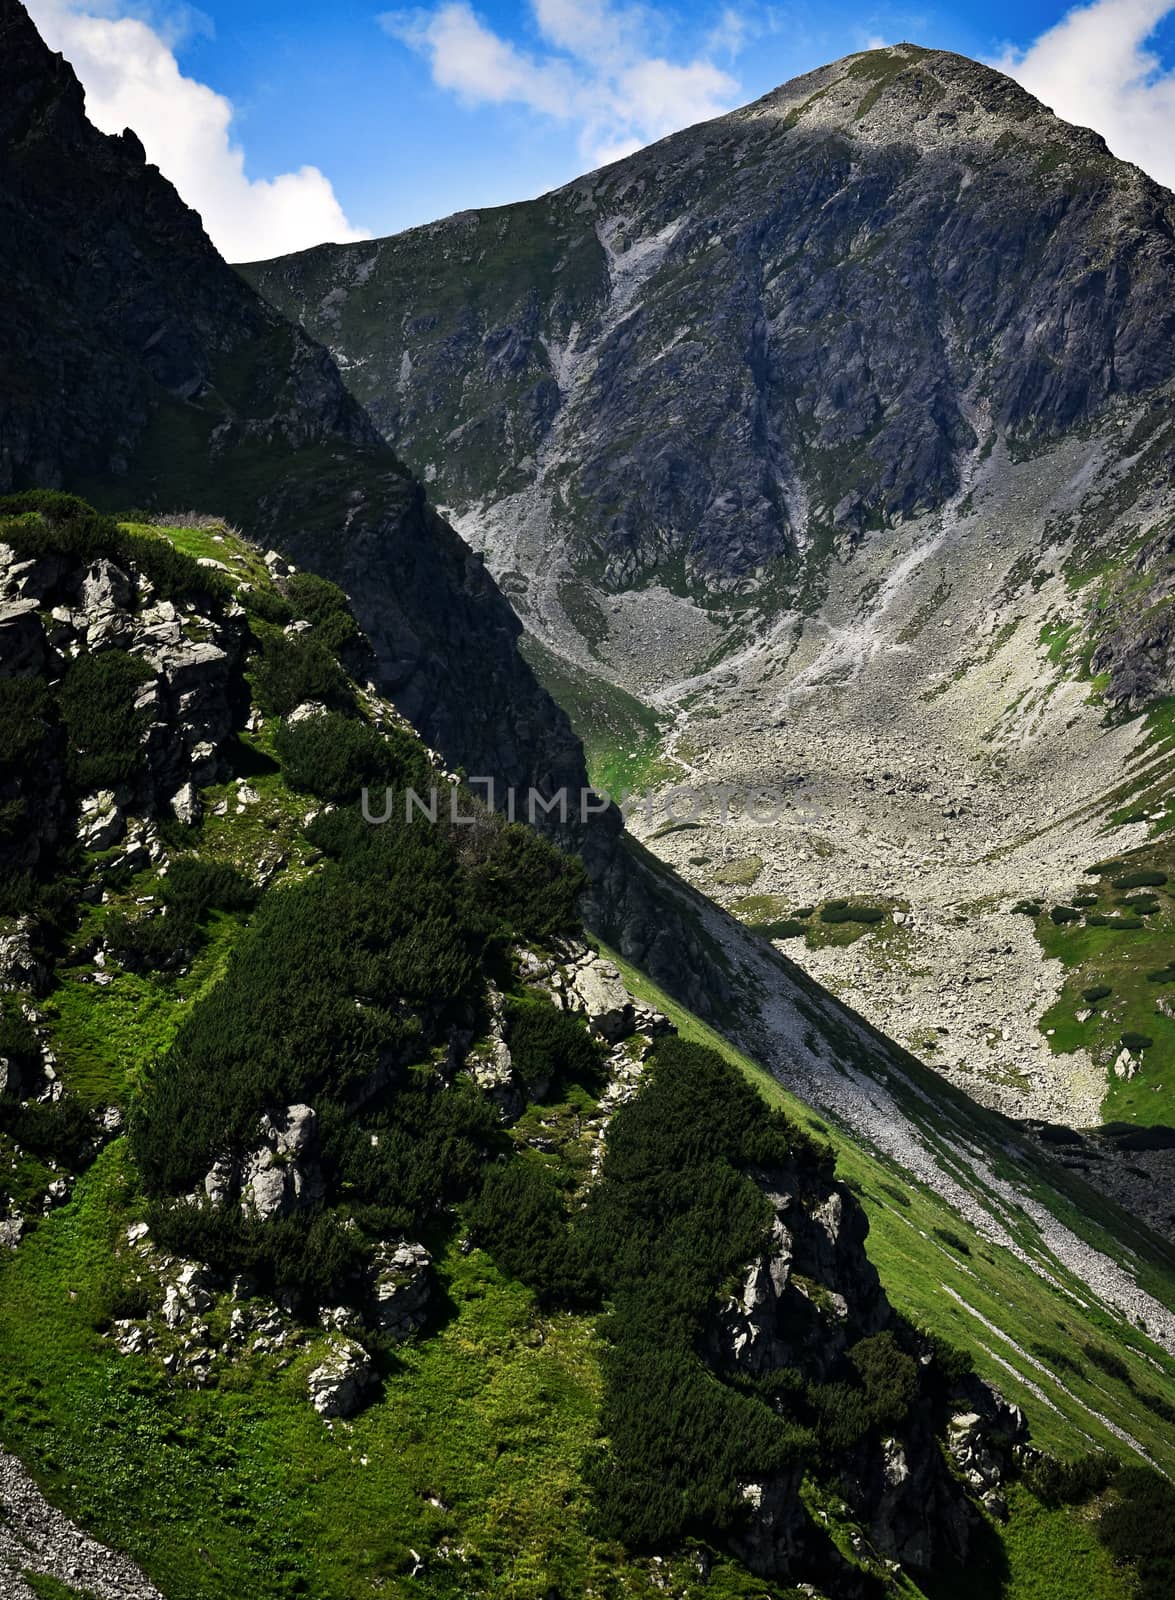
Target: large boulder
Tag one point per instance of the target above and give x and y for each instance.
(21, 967)
(282, 1176)
(102, 822)
(597, 990)
(339, 1387)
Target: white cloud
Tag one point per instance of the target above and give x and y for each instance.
(601, 67)
(1093, 68)
(133, 80)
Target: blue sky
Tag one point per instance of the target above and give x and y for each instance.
(284, 125)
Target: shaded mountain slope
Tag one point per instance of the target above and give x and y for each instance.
(139, 367)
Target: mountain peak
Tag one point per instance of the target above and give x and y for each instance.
(932, 98)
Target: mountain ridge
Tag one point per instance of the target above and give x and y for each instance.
(747, 197)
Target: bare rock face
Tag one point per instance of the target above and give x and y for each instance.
(1136, 636)
(805, 1302)
(102, 821)
(772, 323)
(277, 1178)
(984, 1441)
(22, 967)
(597, 990)
(340, 1386)
(813, 1291)
(403, 1287)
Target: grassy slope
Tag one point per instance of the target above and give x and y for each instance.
(621, 736)
(937, 1286)
(1122, 958)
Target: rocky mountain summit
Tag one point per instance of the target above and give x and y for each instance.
(783, 327)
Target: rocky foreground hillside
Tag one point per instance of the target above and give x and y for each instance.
(264, 1111)
(827, 448)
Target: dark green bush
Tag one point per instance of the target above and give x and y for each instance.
(1029, 908)
(1162, 974)
(18, 1040)
(527, 883)
(789, 928)
(311, 1259)
(1118, 924)
(58, 1130)
(335, 757)
(26, 714)
(550, 1048)
(954, 1240)
(520, 1217)
(1144, 904)
(951, 1364)
(888, 1377)
(669, 1221)
(193, 886)
(1085, 900)
(265, 604)
(1070, 1483)
(336, 978)
(1136, 1042)
(103, 728)
(150, 943)
(844, 911)
(325, 607)
(1138, 1528)
(289, 671)
(1063, 914)
(880, 1385)
(314, 599)
(1106, 1361)
(1144, 878)
(1096, 992)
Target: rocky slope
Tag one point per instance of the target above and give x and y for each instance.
(172, 676)
(838, 432)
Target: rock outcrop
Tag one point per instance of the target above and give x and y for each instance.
(804, 1304)
(340, 1385)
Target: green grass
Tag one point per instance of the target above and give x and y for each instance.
(243, 560)
(1054, 1554)
(242, 1489)
(1120, 957)
(740, 874)
(48, 1588)
(622, 737)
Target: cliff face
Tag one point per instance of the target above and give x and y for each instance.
(139, 367)
(796, 322)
